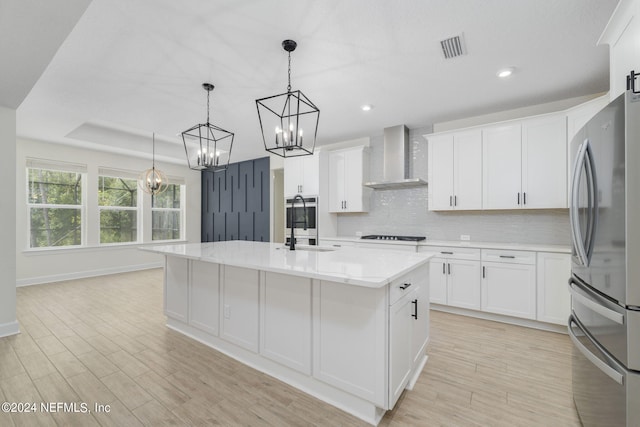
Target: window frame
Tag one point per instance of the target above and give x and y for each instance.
(181, 210)
(137, 209)
(52, 166)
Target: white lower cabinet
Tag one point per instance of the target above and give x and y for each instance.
(239, 295)
(176, 283)
(401, 344)
(349, 339)
(554, 300)
(509, 285)
(204, 296)
(421, 323)
(285, 324)
(454, 277)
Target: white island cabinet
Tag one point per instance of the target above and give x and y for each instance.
(347, 325)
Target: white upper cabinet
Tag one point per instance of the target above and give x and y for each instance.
(348, 170)
(544, 163)
(455, 171)
(501, 171)
(302, 175)
(622, 34)
(525, 164)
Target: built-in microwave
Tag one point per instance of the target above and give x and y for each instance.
(307, 213)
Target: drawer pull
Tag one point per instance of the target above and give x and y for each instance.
(446, 252)
(405, 286)
(507, 256)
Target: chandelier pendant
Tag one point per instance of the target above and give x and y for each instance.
(207, 146)
(289, 114)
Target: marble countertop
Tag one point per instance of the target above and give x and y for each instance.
(349, 265)
(461, 244)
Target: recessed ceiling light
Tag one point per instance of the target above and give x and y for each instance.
(367, 107)
(505, 72)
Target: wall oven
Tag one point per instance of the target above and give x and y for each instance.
(301, 214)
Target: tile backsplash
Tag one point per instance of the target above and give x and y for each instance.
(405, 211)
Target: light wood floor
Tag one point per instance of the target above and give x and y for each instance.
(103, 340)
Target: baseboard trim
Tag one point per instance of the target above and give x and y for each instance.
(527, 323)
(84, 274)
(10, 328)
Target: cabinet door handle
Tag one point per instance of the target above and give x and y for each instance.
(518, 198)
(483, 272)
(449, 268)
(507, 256)
(450, 200)
(524, 198)
(345, 204)
(405, 286)
(444, 271)
(415, 309)
(455, 200)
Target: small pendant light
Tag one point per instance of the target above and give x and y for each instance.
(153, 181)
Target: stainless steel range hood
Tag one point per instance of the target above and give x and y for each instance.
(396, 161)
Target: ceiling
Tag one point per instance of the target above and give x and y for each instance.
(130, 68)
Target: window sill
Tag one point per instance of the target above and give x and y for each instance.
(97, 248)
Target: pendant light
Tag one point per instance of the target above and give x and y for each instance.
(153, 181)
(208, 147)
(288, 121)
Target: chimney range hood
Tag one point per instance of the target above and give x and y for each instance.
(396, 161)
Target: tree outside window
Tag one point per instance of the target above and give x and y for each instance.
(118, 205)
(54, 202)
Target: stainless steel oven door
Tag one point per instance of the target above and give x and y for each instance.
(605, 392)
(302, 215)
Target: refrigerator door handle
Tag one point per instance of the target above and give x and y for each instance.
(574, 218)
(593, 195)
(614, 316)
(605, 368)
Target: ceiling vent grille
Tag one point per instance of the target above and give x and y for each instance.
(453, 46)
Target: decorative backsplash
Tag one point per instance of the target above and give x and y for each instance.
(405, 211)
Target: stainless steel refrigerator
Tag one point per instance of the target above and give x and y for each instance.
(605, 276)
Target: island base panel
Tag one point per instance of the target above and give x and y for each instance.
(347, 402)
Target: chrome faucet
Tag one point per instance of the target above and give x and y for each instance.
(292, 245)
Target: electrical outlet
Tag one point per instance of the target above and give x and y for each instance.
(227, 311)
(465, 237)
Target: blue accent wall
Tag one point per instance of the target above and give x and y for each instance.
(235, 202)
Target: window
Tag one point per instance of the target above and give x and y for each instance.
(167, 213)
(118, 206)
(54, 204)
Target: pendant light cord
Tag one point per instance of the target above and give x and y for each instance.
(289, 85)
(153, 153)
(208, 92)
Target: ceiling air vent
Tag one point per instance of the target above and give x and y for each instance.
(453, 46)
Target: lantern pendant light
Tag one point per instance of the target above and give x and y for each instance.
(153, 181)
(288, 121)
(208, 147)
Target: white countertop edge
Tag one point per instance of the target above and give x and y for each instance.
(335, 277)
(537, 247)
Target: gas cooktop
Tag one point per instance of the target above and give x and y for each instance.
(398, 238)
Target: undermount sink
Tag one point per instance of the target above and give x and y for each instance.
(312, 248)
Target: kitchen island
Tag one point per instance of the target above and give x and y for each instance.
(347, 325)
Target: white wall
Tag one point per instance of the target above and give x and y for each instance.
(43, 266)
(8, 323)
